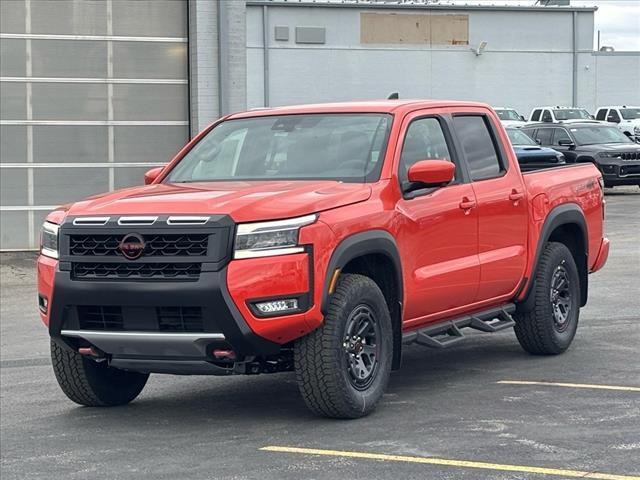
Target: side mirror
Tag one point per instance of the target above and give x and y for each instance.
(432, 173)
(538, 141)
(151, 175)
(565, 142)
(522, 118)
(612, 119)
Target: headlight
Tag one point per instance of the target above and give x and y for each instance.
(264, 239)
(49, 240)
(607, 155)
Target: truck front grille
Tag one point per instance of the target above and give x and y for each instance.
(135, 271)
(152, 319)
(165, 245)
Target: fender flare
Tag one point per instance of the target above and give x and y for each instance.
(357, 245)
(566, 214)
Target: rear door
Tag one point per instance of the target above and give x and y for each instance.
(502, 205)
(439, 233)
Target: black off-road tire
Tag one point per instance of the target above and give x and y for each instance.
(537, 329)
(94, 384)
(322, 363)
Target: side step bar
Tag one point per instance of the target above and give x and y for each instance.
(449, 332)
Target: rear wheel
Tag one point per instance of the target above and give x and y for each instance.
(94, 384)
(343, 367)
(549, 327)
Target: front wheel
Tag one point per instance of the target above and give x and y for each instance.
(549, 327)
(343, 367)
(94, 384)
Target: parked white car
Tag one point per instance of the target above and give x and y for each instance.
(510, 117)
(559, 114)
(627, 119)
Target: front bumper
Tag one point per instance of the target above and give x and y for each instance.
(624, 174)
(223, 297)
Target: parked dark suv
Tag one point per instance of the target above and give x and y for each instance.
(617, 157)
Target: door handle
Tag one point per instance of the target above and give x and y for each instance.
(515, 195)
(467, 205)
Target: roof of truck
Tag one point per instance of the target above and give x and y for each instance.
(371, 106)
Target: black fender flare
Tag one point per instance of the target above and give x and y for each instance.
(357, 245)
(364, 243)
(566, 214)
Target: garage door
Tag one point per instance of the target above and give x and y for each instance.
(92, 93)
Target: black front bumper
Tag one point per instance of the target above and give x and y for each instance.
(623, 174)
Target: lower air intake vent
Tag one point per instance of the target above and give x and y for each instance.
(133, 271)
(100, 318)
(180, 319)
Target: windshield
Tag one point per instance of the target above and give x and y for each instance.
(598, 134)
(571, 113)
(343, 147)
(508, 115)
(630, 113)
(518, 137)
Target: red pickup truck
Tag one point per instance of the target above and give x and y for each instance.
(318, 239)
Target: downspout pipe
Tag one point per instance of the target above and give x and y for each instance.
(575, 59)
(223, 59)
(265, 44)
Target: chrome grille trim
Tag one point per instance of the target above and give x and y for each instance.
(185, 220)
(91, 221)
(140, 220)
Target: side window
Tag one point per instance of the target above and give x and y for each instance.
(546, 116)
(544, 135)
(478, 145)
(536, 115)
(613, 116)
(560, 134)
(602, 114)
(424, 140)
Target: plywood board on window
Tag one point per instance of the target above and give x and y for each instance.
(417, 29)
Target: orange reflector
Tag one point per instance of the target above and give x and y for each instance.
(334, 280)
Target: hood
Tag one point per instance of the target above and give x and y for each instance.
(243, 201)
(617, 147)
(513, 123)
(531, 150)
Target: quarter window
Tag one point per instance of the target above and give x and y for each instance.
(478, 145)
(536, 115)
(602, 114)
(424, 140)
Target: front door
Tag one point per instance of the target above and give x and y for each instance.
(439, 231)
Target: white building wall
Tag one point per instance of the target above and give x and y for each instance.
(528, 60)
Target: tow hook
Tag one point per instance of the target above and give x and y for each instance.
(92, 352)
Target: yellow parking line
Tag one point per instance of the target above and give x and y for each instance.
(451, 463)
(572, 385)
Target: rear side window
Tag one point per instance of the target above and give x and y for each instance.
(536, 115)
(613, 116)
(561, 134)
(424, 140)
(544, 135)
(546, 116)
(479, 147)
(602, 114)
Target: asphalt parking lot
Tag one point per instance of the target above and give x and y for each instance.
(465, 413)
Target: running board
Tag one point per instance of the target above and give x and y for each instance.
(449, 332)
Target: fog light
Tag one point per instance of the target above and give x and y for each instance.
(276, 306)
